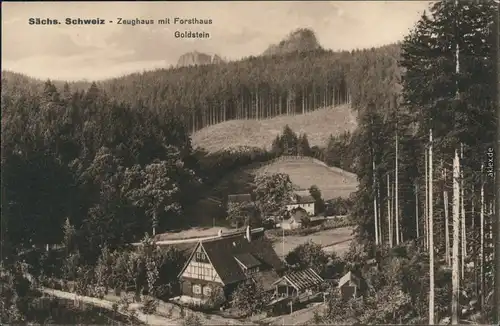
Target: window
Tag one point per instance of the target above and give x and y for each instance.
(252, 271)
(207, 290)
(196, 289)
(201, 257)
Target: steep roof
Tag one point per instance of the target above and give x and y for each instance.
(266, 278)
(302, 197)
(302, 192)
(247, 260)
(222, 251)
(305, 199)
(239, 198)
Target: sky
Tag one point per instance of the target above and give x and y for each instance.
(238, 29)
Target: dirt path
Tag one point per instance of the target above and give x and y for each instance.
(145, 318)
(299, 317)
(164, 309)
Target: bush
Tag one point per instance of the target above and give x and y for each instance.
(192, 320)
(305, 222)
(150, 306)
(269, 224)
(217, 298)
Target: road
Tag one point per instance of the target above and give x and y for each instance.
(145, 318)
(299, 317)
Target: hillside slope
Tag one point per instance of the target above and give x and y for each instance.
(318, 125)
(305, 172)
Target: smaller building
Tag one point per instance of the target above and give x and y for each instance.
(300, 286)
(296, 219)
(222, 263)
(303, 200)
(349, 285)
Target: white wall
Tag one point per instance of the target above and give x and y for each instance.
(309, 208)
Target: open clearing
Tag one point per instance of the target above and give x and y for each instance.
(318, 125)
(332, 182)
(192, 233)
(335, 240)
(303, 172)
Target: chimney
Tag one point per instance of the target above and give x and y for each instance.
(219, 234)
(248, 236)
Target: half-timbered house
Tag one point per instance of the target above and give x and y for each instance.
(226, 261)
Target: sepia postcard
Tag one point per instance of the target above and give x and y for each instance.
(250, 162)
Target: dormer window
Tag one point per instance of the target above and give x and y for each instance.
(253, 270)
(248, 263)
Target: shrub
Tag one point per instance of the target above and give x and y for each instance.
(192, 320)
(150, 306)
(217, 298)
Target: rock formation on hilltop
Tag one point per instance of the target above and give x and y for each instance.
(197, 58)
(300, 40)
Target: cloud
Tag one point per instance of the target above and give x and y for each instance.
(39, 43)
(239, 29)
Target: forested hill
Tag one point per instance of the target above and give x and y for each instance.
(258, 87)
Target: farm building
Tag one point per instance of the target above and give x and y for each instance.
(224, 262)
(295, 288)
(299, 284)
(303, 200)
(350, 285)
(295, 220)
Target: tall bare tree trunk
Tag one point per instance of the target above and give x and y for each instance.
(481, 243)
(389, 207)
(431, 238)
(379, 216)
(473, 206)
(462, 215)
(456, 232)
(446, 215)
(426, 213)
(375, 204)
(396, 177)
(446, 227)
(393, 213)
(416, 210)
(496, 219)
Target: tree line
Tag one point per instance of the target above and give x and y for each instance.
(255, 87)
(115, 172)
(103, 166)
(407, 161)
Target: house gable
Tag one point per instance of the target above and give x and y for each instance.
(231, 254)
(200, 267)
